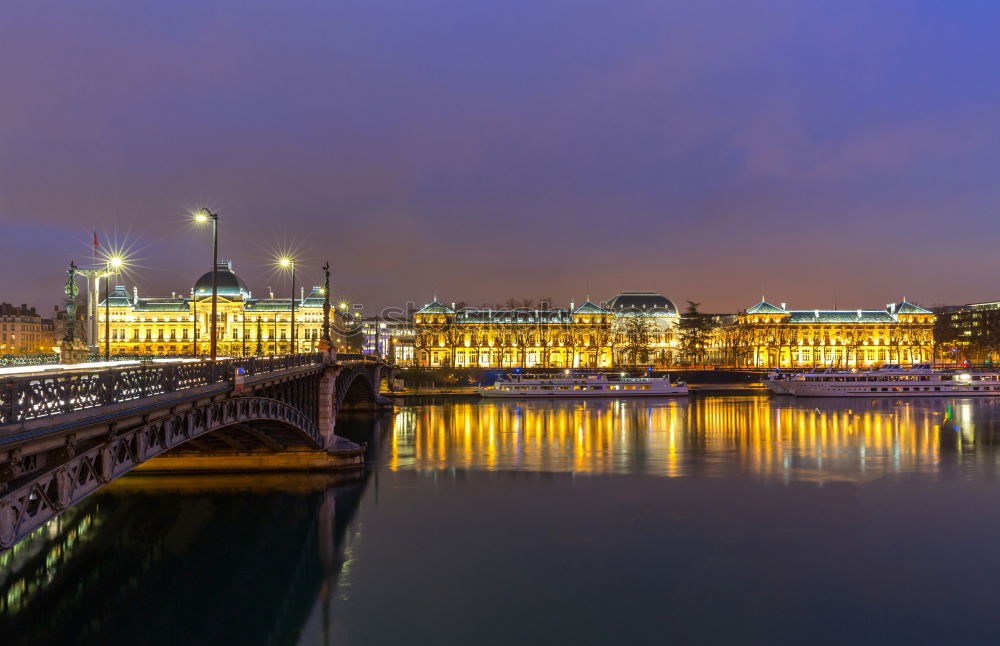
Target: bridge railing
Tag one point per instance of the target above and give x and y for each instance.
(31, 397)
(344, 356)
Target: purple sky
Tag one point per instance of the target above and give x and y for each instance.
(712, 151)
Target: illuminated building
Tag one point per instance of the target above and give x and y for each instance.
(391, 340)
(24, 331)
(769, 336)
(246, 326)
(633, 328)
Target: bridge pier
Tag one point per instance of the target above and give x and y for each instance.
(328, 404)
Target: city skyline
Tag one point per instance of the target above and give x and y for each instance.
(813, 154)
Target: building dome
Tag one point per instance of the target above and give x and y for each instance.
(650, 302)
(228, 284)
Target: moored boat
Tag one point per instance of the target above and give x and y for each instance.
(596, 385)
(890, 381)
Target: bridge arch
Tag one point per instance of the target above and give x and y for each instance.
(355, 386)
(34, 502)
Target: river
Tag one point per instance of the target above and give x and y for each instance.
(716, 520)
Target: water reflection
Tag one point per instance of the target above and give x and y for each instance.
(164, 560)
(458, 523)
(789, 439)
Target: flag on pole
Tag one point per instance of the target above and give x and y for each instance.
(96, 246)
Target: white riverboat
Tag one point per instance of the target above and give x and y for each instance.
(598, 385)
(890, 381)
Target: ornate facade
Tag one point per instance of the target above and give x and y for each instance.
(24, 331)
(634, 328)
(181, 325)
(769, 336)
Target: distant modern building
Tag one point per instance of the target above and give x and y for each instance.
(391, 340)
(181, 324)
(633, 328)
(772, 336)
(24, 331)
(969, 333)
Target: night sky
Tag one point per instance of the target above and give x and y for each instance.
(813, 152)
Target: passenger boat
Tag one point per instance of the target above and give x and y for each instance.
(890, 381)
(597, 385)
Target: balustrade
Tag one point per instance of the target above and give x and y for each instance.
(30, 397)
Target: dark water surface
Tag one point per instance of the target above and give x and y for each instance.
(719, 520)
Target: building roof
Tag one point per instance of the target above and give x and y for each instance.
(6, 309)
(764, 307)
(650, 302)
(490, 316)
(837, 316)
(161, 305)
(119, 298)
(228, 284)
(435, 308)
(910, 308)
(590, 308)
(262, 305)
(315, 298)
(807, 317)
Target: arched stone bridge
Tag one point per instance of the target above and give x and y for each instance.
(64, 435)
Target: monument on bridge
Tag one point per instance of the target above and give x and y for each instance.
(326, 345)
(72, 349)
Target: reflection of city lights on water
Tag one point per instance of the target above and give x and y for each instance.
(778, 438)
(25, 572)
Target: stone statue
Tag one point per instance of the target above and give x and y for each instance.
(72, 349)
(71, 293)
(325, 344)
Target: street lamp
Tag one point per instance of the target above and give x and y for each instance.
(289, 263)
(204, 215)
(326, 305)
(194, 325)
(113, 263)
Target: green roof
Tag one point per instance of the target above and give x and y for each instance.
(435, 308)
(910, 308)
(478, 316)
(764, 307)
(806, 317)
(119, 298)
(161, 305)
(314, 299)
(269, 305)
(590, 308)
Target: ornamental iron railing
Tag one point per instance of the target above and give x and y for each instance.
(17, 360)
(30, 397)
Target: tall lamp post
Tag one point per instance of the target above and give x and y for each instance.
(289, 263)
(326, 304)
(204, 215)
(115, 263)
(194, 325)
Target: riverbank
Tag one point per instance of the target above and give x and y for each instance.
(459, 380)
(753, 388)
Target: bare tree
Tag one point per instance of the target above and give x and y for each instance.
(424, 341)
(632, 332)
(454, 338)
(568, 339)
